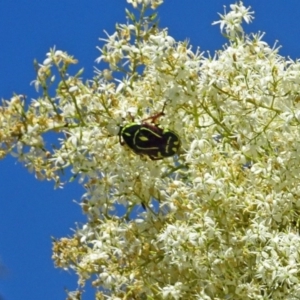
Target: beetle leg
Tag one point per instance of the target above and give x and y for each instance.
(155, 117)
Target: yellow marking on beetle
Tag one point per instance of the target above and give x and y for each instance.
(152, 132)
(134, 137)
(147, 148)
(168, 144)
(143, 138)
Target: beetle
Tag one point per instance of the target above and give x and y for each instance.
(149, 138)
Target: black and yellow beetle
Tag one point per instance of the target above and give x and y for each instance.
(150, 139)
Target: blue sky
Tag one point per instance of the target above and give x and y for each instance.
(32, 211)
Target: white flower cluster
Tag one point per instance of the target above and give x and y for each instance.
(227, 222)
(153, 3)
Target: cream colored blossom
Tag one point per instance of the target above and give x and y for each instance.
(222, 216)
